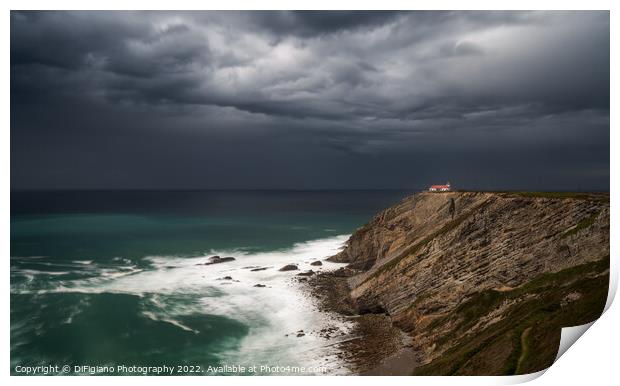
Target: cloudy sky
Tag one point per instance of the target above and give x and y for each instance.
(309, 100)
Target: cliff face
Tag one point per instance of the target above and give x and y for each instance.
(452, 268)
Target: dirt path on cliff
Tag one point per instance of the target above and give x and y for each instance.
(524, 349)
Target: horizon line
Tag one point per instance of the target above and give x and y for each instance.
(293, 190)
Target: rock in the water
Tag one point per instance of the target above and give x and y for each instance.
(307, 273)
(217, 260)
(260, 285)
(300, 334)
(258, 269)
(289, 267)
(228, 279)
(317, 263)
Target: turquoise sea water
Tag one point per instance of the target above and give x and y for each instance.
(109, 278)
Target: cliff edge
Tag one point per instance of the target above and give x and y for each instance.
(483, 282)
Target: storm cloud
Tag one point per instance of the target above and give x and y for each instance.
(310, 100)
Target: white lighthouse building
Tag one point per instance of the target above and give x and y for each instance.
(440, 188)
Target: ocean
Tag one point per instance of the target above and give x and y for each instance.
(117, 279)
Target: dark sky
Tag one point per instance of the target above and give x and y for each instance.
(309, 100)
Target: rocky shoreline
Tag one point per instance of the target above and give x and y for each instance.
(460, 283)
(375, 345)
(467, 283)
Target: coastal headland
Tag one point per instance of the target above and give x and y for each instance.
(469, 283)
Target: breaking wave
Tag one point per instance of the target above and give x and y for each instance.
(171, 289)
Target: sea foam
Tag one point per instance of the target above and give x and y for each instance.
(172, 287)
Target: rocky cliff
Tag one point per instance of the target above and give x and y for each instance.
(483, 282)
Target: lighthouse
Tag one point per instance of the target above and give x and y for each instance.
(440, 188)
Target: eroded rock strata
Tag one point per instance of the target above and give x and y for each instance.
(483, 282)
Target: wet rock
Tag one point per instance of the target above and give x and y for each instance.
(345, 272)
(307, 273)
(217, 260)
(259, 269)
(316, 263)
(289, 267)
(260, 285)
(299, 335)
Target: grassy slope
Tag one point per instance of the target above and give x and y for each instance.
(526, 338)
